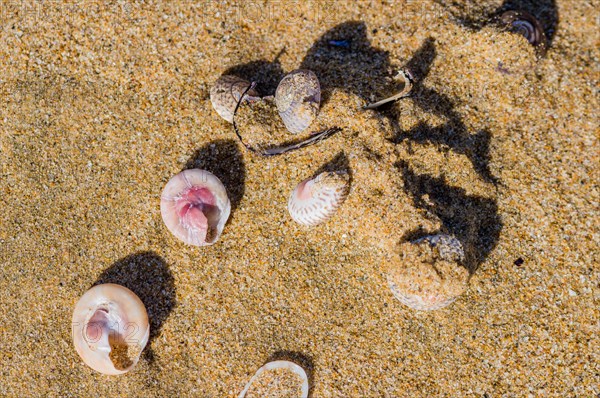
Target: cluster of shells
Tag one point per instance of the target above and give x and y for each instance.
(110, 323)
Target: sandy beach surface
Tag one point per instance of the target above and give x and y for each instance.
(103, 102)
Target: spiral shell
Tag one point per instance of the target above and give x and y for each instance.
(430, 274)
(110, 328)
(297, 97)
(315, 200)
(277, 379)
(527, 25)
(195, 207)
(225, 95)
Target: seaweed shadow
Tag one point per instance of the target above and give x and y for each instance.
(474, 15)
(474, 220)
(148, 276)
(454, 133)
(299, 359)
(224, 159)
(357, 68)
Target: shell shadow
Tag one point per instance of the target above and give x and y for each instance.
(338, 163)
(299, 359)
(454, 134)
(474, 220)
(224, 159)
(148, 276)
(267, 74)
(473, 15)
(357, 68)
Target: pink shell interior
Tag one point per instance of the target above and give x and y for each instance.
(189, 207)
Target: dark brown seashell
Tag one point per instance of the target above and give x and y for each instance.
(527, 25)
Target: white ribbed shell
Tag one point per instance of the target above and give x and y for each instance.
(315, 200)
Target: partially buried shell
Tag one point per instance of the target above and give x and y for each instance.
(298, 97)
(225, 95)
(277, 379)
(195, 207)
(316, 199)
(110, 328)
(429, 275)
(527, 25)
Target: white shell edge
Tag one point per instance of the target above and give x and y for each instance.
(298, 370)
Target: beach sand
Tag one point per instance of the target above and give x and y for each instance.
(102, 104)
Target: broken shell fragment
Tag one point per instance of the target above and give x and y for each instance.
(527, 25)
(298, 97)
(429, 275)
(281, 379)
(110, 328)
(226, 92)
(316, 199)
(195, 207)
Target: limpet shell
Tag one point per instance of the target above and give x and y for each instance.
(279, 386)
(429, 275)
(110, 328)
(316, 199)
(195, 207)
(225, 95)
(298, 97)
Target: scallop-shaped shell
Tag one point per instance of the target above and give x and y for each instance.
(226, 93)
(316, 199)
(110, 328)
(298, 389)
(430, 274)
(297, 97)
(195, 207)
(527, 25)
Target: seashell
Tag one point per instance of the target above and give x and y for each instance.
(226, 93)
(527, 25)
(277, 379)
(430, 274)
(110, 328)
(297, 97)
(316, 199)
(195, 207)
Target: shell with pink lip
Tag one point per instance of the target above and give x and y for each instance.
(316, 199)
(195, 207)
(110, 328)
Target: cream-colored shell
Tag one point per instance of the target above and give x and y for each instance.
(298, 97)
(314, 200)
(298, 370)
(110, 328)
(429, 275)
(225, 95)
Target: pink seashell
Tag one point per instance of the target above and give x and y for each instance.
(195, 207)
(110, 328)
(430, 275)
(316, 199)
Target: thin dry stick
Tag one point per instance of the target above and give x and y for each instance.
(313, 139)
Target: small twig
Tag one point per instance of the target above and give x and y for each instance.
(313, 139)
